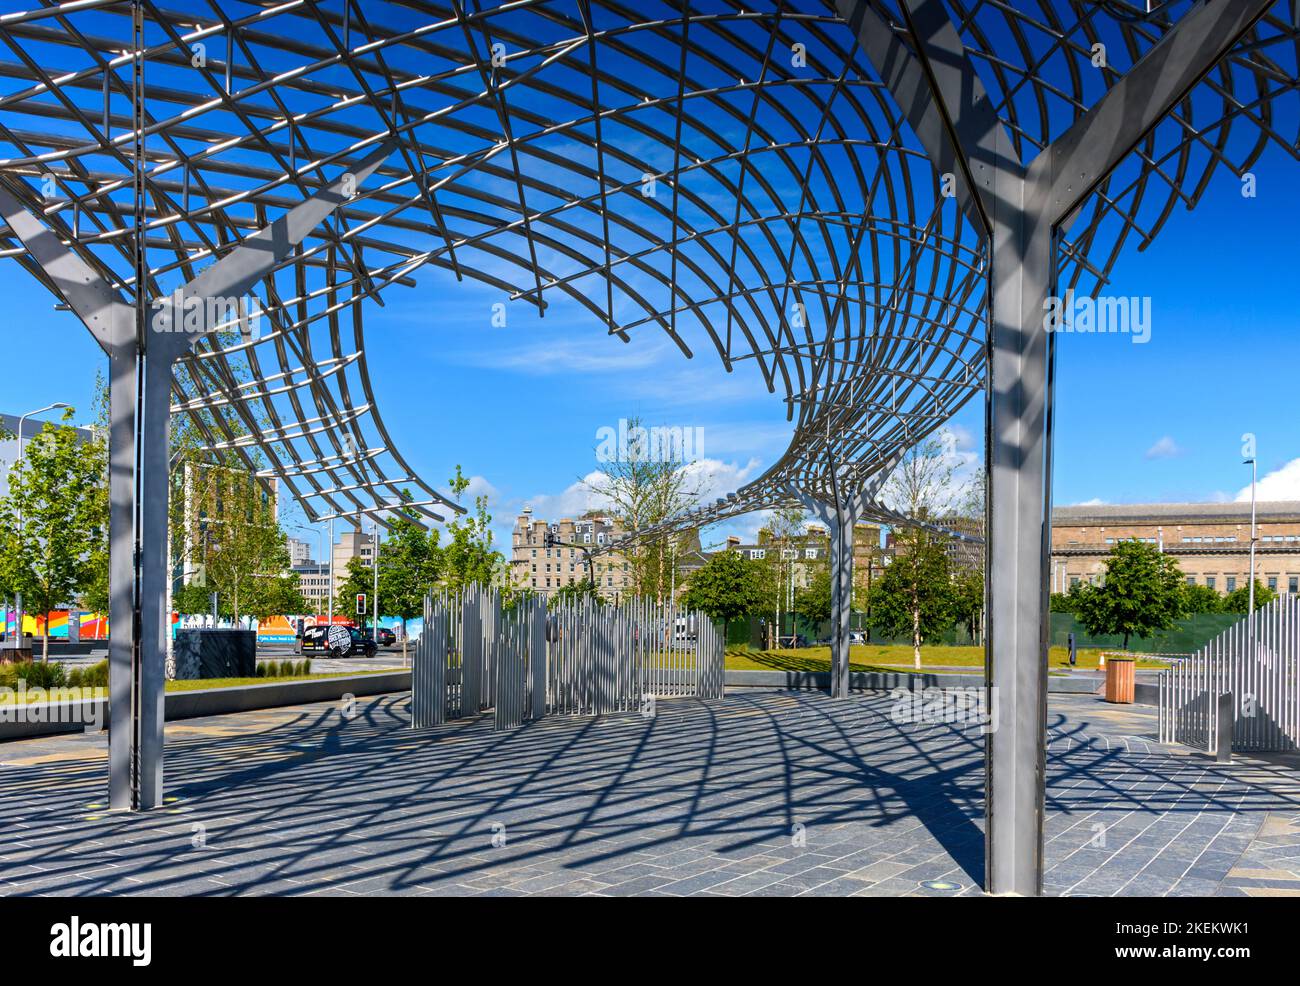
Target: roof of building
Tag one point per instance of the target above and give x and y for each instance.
(1170, 513)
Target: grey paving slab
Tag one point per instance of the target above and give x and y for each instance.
(765, 793)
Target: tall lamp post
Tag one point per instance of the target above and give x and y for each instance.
(1253, 537)
(374, 566)
(18, 596)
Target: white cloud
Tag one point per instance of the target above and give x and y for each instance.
(479, 486)
(1094, 502)
(1280, 484)
(577, 354)
(1164, 448)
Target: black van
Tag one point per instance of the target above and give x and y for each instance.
(319, 639)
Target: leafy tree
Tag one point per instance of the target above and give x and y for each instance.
(814, 600)
(572, 592)
(784, 530)
(643, 488)
(94, 597)
(360, 579)
(228, 526)
(968, 600)
(1062, 602)
(410, 564)
(915, 595)
(727, 587)
(469, 558)
(49, 527)
(1238, 600)
(1200, 599)
(1141, 593)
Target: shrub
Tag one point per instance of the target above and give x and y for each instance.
(95, 676)
(306, 666)
(286, 669)
(39, 674)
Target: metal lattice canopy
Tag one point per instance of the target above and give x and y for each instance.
(733, 175)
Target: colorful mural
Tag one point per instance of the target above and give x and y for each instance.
(93, 626)
(272, 630)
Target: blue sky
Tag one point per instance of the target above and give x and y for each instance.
(519, 407)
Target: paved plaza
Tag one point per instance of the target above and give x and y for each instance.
(766, 793)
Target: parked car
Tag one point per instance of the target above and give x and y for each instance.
(386, 636)
(793, 640)
(857, 637)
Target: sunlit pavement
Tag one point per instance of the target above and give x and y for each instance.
(767, 793)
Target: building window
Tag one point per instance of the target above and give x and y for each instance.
(1191, 580)
(1209, 581)
(1293, 584)
(1272, 582)
(1231, 583)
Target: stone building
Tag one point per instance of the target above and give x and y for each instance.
(1211, 541)
(546, 569)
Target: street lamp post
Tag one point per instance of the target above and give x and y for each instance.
(1253, 538)
(374, 566)
(18, 596)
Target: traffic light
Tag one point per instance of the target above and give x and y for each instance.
(361, 604)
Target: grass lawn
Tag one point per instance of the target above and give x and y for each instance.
(188, 685)
(893, 657)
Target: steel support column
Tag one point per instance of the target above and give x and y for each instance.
(1018, 422)
(1020, 208)
(140, 383)
(841, 520)
(841, 530)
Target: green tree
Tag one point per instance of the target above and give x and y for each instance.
(360, 579)
(1061, 602)
(225, 522)
(1199, 599)
(914, 596)
(968, 600)
(646, 482)
(1238, 600)
(410, 565)
(780, 535)
(469, 558)
(572, 592)
(95, 595)
(727, 587)
(814, 599)
(1142, 592)
(49, 527)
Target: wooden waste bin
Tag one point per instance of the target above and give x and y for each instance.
(1120, 680)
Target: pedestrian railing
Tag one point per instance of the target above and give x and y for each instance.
(1257, 663)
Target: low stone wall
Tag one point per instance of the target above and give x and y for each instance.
(72, 716)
